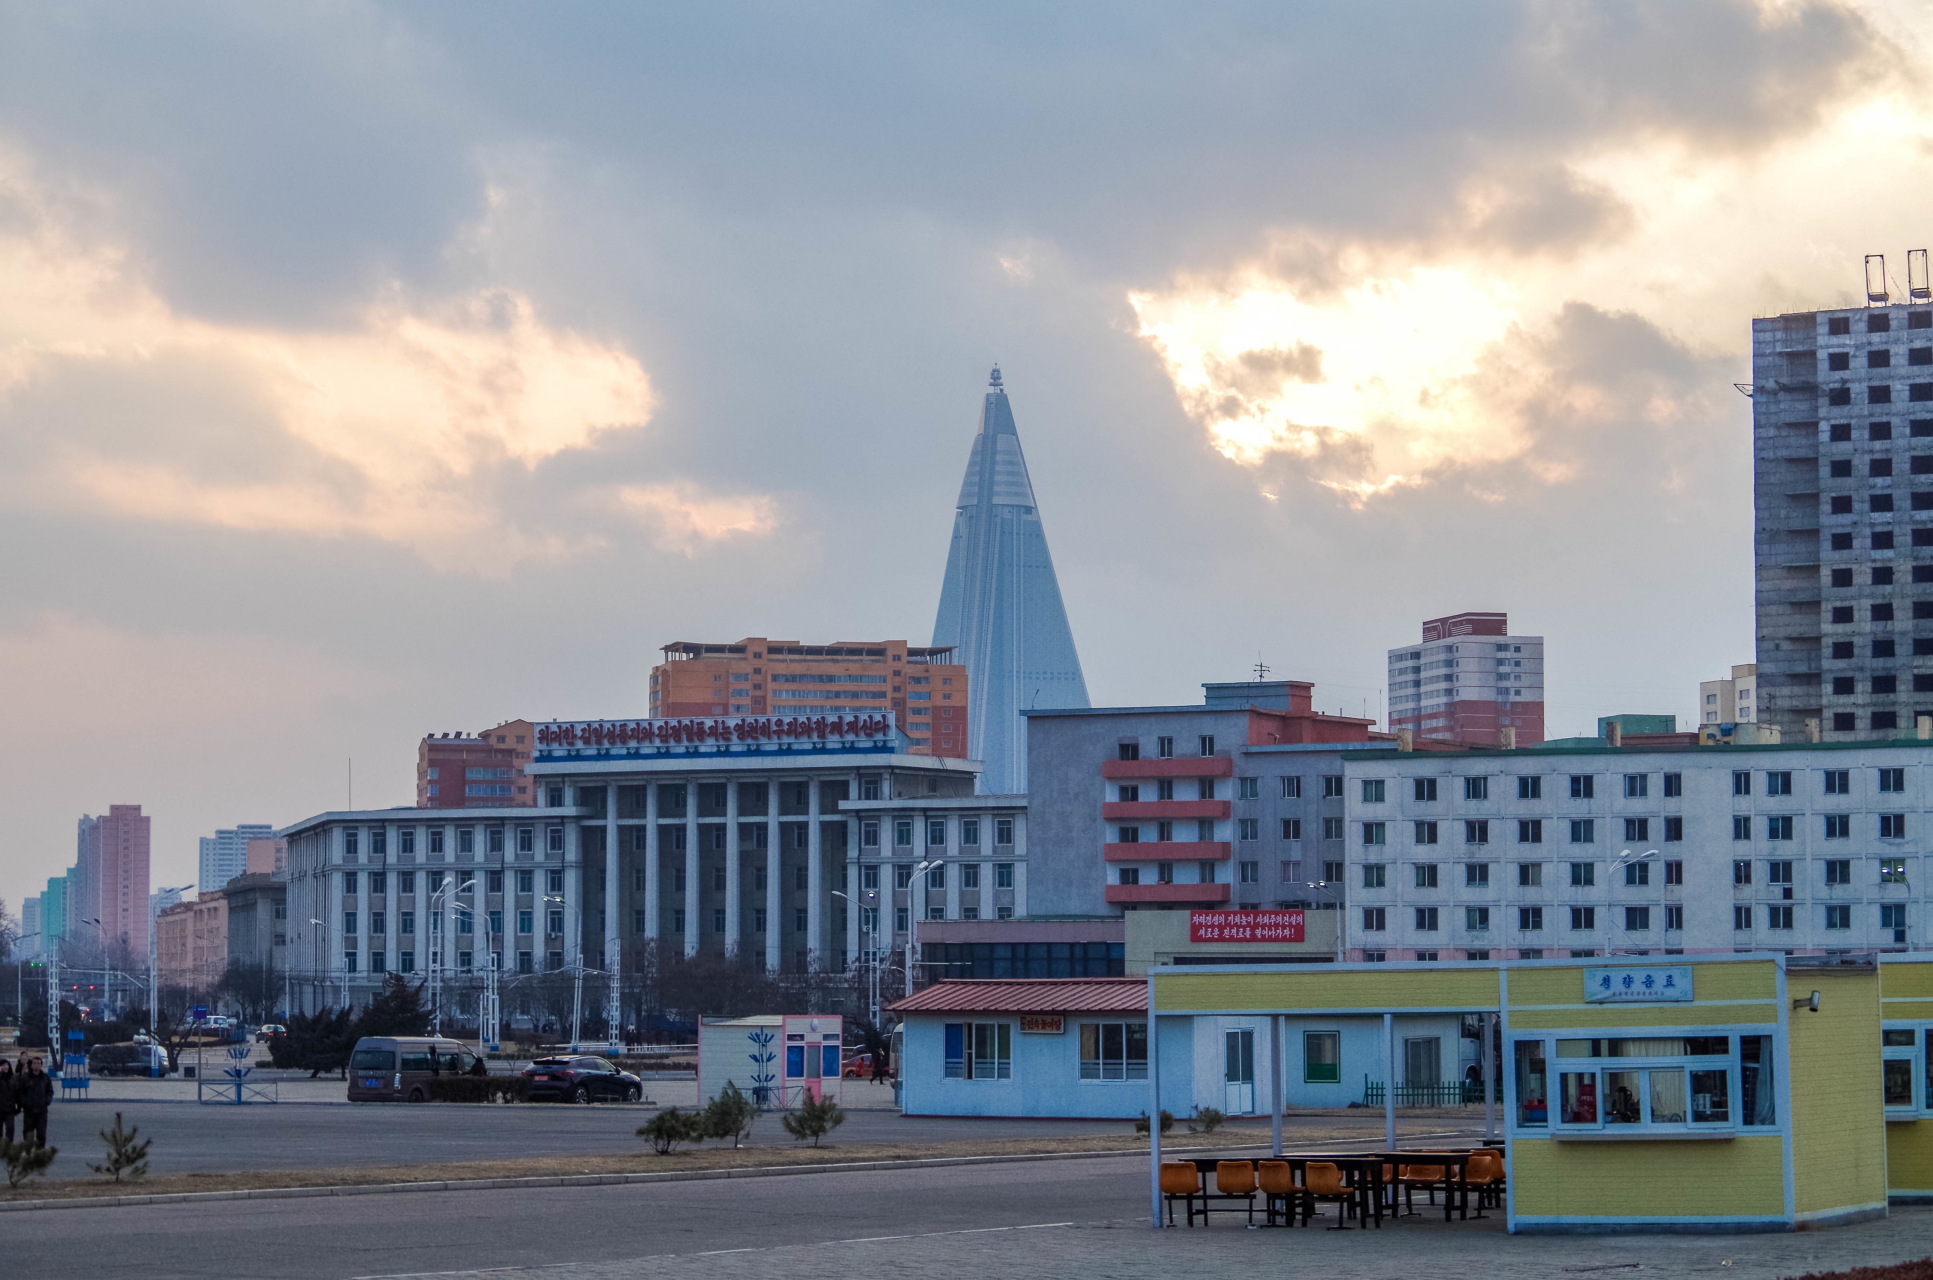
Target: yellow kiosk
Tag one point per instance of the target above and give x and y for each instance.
(1647, 1092)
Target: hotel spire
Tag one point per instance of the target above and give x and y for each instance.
(1000, 603)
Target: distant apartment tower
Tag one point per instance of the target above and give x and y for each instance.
(224, 855)
(923, 687)
(1733, 701)
(30, 939)
(1843, 492)
(1469, 680)
(110, 908)
(484, 771)
(53, 912)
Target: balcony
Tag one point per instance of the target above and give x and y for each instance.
(1150, 810)
(1185, 767)
(1176, 894)
(1167, 851)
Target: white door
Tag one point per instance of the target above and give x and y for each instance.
(1239, 1075)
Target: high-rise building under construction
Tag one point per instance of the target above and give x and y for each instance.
(1000, 605)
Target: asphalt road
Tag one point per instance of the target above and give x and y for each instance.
(1046, 1219)
(384, 1235)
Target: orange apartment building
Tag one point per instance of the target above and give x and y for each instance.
(923, 687)
(485, 771)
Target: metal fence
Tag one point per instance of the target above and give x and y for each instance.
(1446, 1093)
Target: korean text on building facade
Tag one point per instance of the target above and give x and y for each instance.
(1245, 926)
(1638, 984)
(694, 730)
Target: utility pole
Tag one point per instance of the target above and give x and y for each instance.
(53, 1009)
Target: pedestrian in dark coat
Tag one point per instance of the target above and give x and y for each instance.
(9, 1104)
(35, 1094)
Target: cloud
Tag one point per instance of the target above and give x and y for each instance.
(414, 423)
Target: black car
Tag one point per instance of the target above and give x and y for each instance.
(581, 1079)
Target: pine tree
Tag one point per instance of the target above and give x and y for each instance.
(124, 1153)
(730, 1115)
(397, 1010)
(815, 1118)
(24, 1160)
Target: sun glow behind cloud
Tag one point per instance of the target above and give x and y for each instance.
(404, 425)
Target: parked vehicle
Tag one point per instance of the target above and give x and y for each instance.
(127, 1060)
(399, 1068)
(270, 1031)
(581, 1079)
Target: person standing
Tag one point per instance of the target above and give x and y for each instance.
(8, 1103)
(34, 1094)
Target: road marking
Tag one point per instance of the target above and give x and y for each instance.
(712, 1253)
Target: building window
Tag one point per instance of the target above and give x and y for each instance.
(1674, 918)
(1332, 828)
(1291, 828)
(1779, 828)
(1838, 782)
(1637, 919)
(1741, 871)
(1583, 918)
(1322, 1056)
(1114, 1050)
(1674, 785)
(1003, 830)
(1476, 831)
(1476, 919)
(1373, 874)
(1583, 875)
(1530, 919)
(1164, 748)
(1530, 875)
(1425, 833)
(1892, 780)
(1128, 835)
(1530, 787)
(1637, 873)
(903, 833)
(1637, 828)
(1373, 833)
(1425, 789)
(1374, 919)
(1003, 875)
(526, 881)
(1292, 788)
(1530, 831)
(1249, 789)
(936, 833)
(1425, 875)
(1674, 830)
(1372, 790)
(1741, 782)
(1207, 744)
(1636, 785)
(1892, 826)
(1839, 916)
(1251, 828)
(1332, 786)
(1583, 786)
(984, 1051)
(1130, 750)
(1838, 871)
(1477, 788)
(1426, 919)
(1741, 918)
(1892, 871)
(969, 831)
(869, 833)
(1778, 783)
(1476, 875)
(349, 923)
(1674, 873)
(1741, 827)
(1583, 831)
(526, 921)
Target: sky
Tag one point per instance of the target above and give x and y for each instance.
(369, 371)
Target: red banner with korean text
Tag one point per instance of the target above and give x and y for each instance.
(1244, 926)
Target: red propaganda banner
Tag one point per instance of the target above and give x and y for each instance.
(726, 729)
(1244, 926)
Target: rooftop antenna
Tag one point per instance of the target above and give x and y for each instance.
(1918, 287)
(1261, 668)
(1876, 295)
(994, 380)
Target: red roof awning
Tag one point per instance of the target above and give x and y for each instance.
(1029, 995)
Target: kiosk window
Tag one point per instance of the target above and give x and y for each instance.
(1114, 1051)
(1533, 1107)
(979, 1051)
(1653, 1082)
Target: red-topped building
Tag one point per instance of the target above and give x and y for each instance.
(1470, 681)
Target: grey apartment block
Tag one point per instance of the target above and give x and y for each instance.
(1550, 852)
(1105, 843)
(1842, 425)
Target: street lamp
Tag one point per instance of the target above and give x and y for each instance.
(913, 917)
(1334, 891)
(871, 930)
(154, 952)
(19, 968)
(1625, 859)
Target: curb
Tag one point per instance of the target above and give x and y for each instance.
(597, 1179)
(563, 1180)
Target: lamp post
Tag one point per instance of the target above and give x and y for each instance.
(1623, 860)
(19, 969)
(154, 957)
(871, 930)
(913, 917)
(1335, 894)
